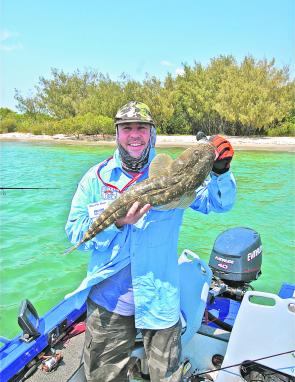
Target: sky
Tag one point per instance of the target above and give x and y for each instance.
(136, 37)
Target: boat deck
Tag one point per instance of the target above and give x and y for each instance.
(71, 351)
(70, 368)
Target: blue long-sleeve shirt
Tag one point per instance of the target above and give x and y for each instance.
(149, 246)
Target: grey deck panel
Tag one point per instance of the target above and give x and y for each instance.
(71, 351)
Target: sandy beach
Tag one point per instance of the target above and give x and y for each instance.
(239, 143)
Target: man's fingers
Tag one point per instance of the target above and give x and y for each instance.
(133, 209)
(136, 210)
(144, 209)
(134, 214)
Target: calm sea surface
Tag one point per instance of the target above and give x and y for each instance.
(32, 221)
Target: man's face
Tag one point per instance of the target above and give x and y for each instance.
(134, 137)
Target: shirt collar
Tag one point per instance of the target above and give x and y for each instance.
(116, 162)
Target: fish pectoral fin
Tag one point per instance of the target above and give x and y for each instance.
(160, 165)
(169, 206)
(182, 160)
(186, 154)
(183, 202)
(187, 199)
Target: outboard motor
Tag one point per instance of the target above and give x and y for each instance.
(235, 260)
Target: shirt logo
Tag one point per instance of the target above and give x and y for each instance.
(109, 193)
(95, 209)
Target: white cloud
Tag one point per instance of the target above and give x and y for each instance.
(166, 63)
(179, 71)
(8, 41)
(9, 48)
(4, 34)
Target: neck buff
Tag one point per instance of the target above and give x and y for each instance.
(136, 164)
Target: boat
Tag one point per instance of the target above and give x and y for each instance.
(231, 333)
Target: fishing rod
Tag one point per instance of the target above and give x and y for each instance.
(29, 188)
(241, 364)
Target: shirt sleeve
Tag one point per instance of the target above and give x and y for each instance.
(79, 221)
(217, 194)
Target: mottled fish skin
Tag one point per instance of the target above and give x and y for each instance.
(185, 174)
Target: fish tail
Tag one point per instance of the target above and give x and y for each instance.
(71, 249)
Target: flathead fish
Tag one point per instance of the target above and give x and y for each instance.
(171, 184)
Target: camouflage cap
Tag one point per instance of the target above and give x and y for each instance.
(134, 112)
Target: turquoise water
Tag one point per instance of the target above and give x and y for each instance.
(32, 221)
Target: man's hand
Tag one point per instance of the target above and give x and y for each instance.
(133, 215)
(224, 152)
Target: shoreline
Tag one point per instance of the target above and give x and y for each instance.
(238, 143)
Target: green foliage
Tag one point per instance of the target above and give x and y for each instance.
(29, 106)
(284, 128)
(8, 125)
(60, 96)
(9, 120)
(253, 97)
(103, 98)
(5, 112)
(194, 98)
(88, 124)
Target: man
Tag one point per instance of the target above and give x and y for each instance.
(132, 280)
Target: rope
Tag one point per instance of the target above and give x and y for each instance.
(239, 364)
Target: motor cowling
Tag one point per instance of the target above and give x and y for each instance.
(236, 256)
